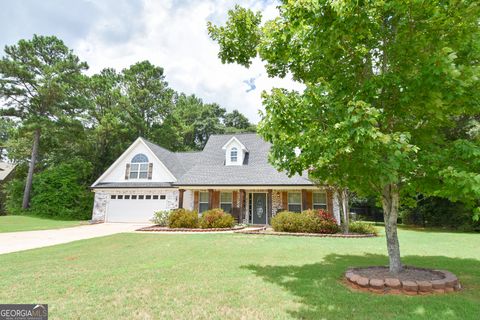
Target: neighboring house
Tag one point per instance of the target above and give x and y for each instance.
(232, 172)
(6, 173)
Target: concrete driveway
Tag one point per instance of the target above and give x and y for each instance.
(24, 240)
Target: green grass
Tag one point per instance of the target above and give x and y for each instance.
(28, 223)
(233, 276)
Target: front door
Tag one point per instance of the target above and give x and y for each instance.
(259, 208)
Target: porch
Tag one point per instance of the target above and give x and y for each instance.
(256, 205)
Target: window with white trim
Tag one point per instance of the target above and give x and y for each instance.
(203, 202)
(295, 201)
(139, 167)
(233, 154)
(319, 200)
(226, 201)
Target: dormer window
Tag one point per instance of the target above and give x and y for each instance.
(139, 167)
(233, 154)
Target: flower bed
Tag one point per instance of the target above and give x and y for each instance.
(157, 228)
(265, 231)
(410, 281)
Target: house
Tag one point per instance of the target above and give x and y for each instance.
(6, 173)
(231, 172)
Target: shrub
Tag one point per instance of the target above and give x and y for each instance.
(161, 218)
(182, 218)
(362, 227)
(309, 221)
(287, 221)
(320, 221)
(216, 218)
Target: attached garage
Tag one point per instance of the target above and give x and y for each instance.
(134, 207)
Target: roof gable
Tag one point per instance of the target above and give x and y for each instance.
(233, 140)
(116, 172)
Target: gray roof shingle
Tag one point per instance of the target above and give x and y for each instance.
(207, 167)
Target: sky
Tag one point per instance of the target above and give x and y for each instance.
(170, 33)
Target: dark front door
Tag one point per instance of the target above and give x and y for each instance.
(259, 208)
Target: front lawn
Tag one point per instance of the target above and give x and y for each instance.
(29, 223)
(233, 276)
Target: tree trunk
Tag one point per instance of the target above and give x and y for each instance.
(346, 209)
(31, 169)
(390, 203)
(343, 202)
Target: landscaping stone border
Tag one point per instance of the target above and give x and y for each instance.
(263, 231)
(166, 229)
(449, 283)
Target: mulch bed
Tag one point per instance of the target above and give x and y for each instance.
(297, 234)
(166, 229)
(410, 281)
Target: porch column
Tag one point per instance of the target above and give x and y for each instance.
(242, 206)
(180, 198)
(269, 205)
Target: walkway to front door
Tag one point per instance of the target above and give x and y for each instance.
(259, 208)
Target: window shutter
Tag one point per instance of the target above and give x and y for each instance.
(285, 200)
(127, 171)
(195, 200)
(150, 170)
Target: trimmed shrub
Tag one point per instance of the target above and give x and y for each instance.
(362, 227)
(309, 221)
(216, 218)
(320, 221)
(287, 221)
(161, 218)
(182, 218)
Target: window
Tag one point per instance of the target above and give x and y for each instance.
(127, 196)
(155, 197)
(226, 201)
(113, 196)
(139, 167)
(134, 197)
(233, 154)
(294, 201)
(319, 200)
(140, 197)
(120, 197)
(163, 197)
(203, 202)
(148, 197)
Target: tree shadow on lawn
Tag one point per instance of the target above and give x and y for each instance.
(322, 294)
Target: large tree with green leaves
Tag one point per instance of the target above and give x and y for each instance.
(148, 98)
(40, 83)
(386, 81)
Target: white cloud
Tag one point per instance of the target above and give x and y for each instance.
(173, 35)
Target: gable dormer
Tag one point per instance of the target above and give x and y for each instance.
(235, 152)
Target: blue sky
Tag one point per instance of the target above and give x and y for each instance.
(171, 34)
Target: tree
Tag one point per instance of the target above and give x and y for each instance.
(197, 120)
(384, 81)
(108, 132)
(7, 127)
(148, 98)
(39, 80)
(236, 120)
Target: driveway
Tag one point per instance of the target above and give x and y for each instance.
(24, 240)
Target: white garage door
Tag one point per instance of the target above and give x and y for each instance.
(134, 208)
